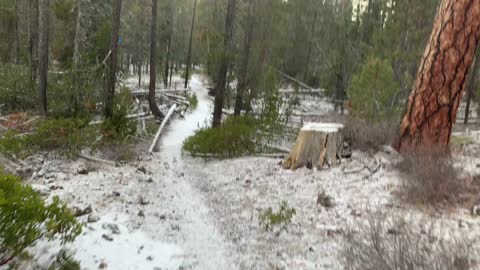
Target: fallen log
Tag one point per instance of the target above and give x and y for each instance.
(278, 148)
(317, 145)
(175, 96)
(98, 160)
(130, 116)
(162, 125)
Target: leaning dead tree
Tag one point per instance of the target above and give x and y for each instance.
(442, 76)
(317, 145)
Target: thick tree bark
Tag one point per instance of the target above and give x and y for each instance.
(189, 57)
(433, 103)
(153, 64)
(117, 9)
(43, 55)
(222, 75)
(242, 80)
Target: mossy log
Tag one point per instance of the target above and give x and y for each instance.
(317, 145)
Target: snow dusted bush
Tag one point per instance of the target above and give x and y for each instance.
(383, 244)
(367, 135)
(25, 218)
(430, 178)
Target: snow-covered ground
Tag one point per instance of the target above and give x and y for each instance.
(149, 216)
(171, 211)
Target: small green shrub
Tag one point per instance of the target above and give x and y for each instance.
(281, 219)
(67, 135)
(235, 137)
(64, 261)
(25, 218)
(193, 100)
(119, 127)
(373, 91)
(17, 93)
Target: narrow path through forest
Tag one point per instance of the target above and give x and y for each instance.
(145, 215)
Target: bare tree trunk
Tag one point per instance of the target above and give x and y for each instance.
(242, 80)
(222, 75)
(139, 70)
(117, 9)
(76, 58)
(310, 46)
(33, 40)
(17, 35)
(153, 62)
(433, 103)
(166, 68)
(187, 71)
(43, 55)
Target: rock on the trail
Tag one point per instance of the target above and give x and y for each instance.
(41, 189)
(142, 170)
(142, 200)
(107, 237)
(83, 170)
(325, 200)
(92, 218)
(111, 227)
(141, 213)
(78, 212)
(476, 209)
(103, 265)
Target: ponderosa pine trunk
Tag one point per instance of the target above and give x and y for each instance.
(43, 55)
(442, 76)
(153, 64)
(117, 9)
(222, 75)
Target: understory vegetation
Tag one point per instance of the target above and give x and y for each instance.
(237, 136)
(25, 218)
(69, 135)
(430, 178)
(368, 135)
(278, 220)
(388, 244)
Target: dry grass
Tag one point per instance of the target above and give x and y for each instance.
(395, 245)
(430, 178)
(367, 136)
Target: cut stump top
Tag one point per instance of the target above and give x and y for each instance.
(322, 127)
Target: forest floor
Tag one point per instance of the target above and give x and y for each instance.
(171, 211)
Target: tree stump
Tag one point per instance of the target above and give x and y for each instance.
(317, 145)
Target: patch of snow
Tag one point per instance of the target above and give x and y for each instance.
(324, 127)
